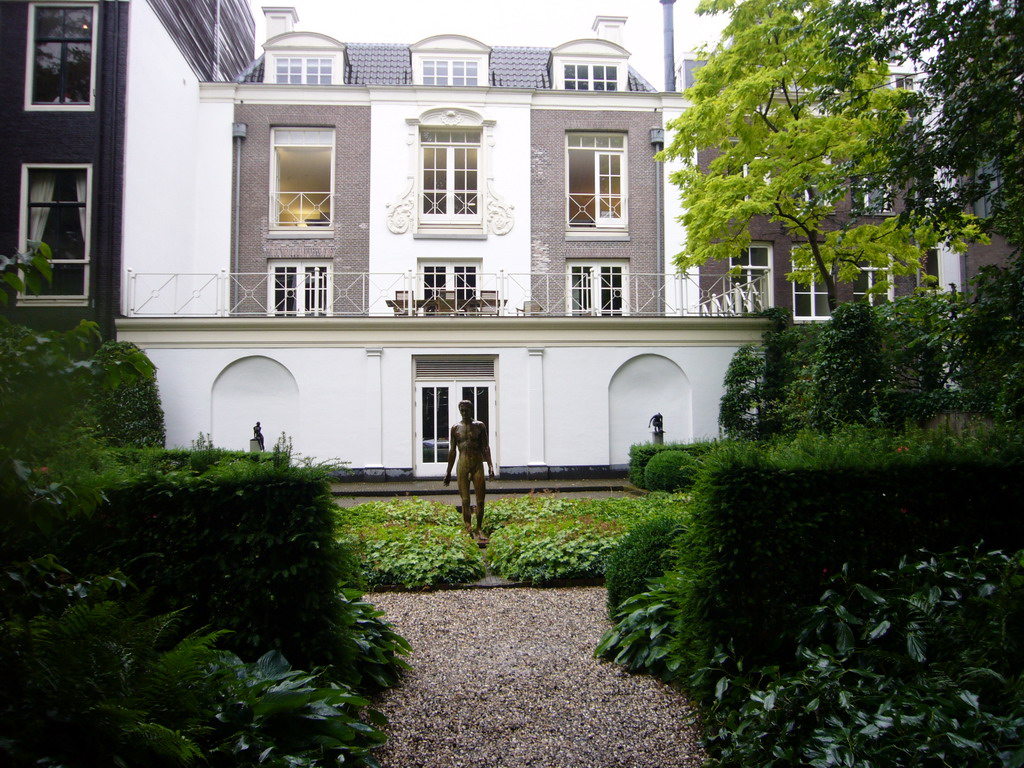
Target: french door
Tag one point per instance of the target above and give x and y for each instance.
(437, 409)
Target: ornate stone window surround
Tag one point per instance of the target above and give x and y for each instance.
(495, 215)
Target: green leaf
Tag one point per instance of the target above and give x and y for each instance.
(880, 629)
(916, 647)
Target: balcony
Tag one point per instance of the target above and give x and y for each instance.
(502, 294)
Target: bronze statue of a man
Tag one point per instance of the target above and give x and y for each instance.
(469, 439)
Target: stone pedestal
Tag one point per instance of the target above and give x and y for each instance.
(254, 446)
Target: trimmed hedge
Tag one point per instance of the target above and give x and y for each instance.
(246, 547)
(671, 471)
(641, 453)
(643, 553)
(769, 527)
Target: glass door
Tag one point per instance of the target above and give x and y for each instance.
(437, 409)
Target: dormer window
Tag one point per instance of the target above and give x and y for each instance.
(590, 65)
(304, 58)
(450, 72)
(450, 60)
(591, 77)
(304, 71)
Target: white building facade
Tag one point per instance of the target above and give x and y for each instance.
(373, 233)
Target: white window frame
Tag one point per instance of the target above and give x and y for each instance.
(456, 72)
(438, 143)
(460, 278)
(747, 271)
(30, 46)
(303, 70)
(606, 203)
(311, 292)
(865, 194)
(585, 76)
(871, 276)
(818, 297)
(25, 234)
(318, 204)
(590, 289)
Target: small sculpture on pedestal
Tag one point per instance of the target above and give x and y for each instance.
(658, 428)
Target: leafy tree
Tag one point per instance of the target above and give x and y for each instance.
(847, 368)
(780, 153)
(966, 120)
(130, 413)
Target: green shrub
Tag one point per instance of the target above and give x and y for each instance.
(129, 413)
(249, 547)
(642, 554)
(641, 453)
(740, 411)
(671, 471)
(770, 525)
(917, 665)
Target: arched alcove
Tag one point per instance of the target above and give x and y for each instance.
(254, 389)
(643, 386)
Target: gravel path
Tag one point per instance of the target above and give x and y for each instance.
(504, 678)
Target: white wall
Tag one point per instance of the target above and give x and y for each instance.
(177, 160)
(330, 414)
(394, 158)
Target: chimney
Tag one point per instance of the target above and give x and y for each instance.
(280, 19)
(670, 46)
(609, 28)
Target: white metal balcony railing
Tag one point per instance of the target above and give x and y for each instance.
(505, 294)
(301, 209)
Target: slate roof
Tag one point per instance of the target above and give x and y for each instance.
(391, 64)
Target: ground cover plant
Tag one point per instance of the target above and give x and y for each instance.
(538, 538)
(916, 665)
(411, 542)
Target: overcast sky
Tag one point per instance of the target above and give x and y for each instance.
(544, 23)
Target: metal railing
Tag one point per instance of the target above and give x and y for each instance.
(412, 294)
(301, 209)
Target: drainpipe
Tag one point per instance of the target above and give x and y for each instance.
(238, 132)
(658, 144)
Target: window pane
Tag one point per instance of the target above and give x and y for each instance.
(581, 289)
(46, 76)
(582, 189)
(79, 70)
(68, 280)
(78, 24)
(285, 299)
(49, 23)
(303, 194)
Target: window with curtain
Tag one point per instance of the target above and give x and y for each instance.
(58, 215)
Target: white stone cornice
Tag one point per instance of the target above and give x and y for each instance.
(449, 333)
